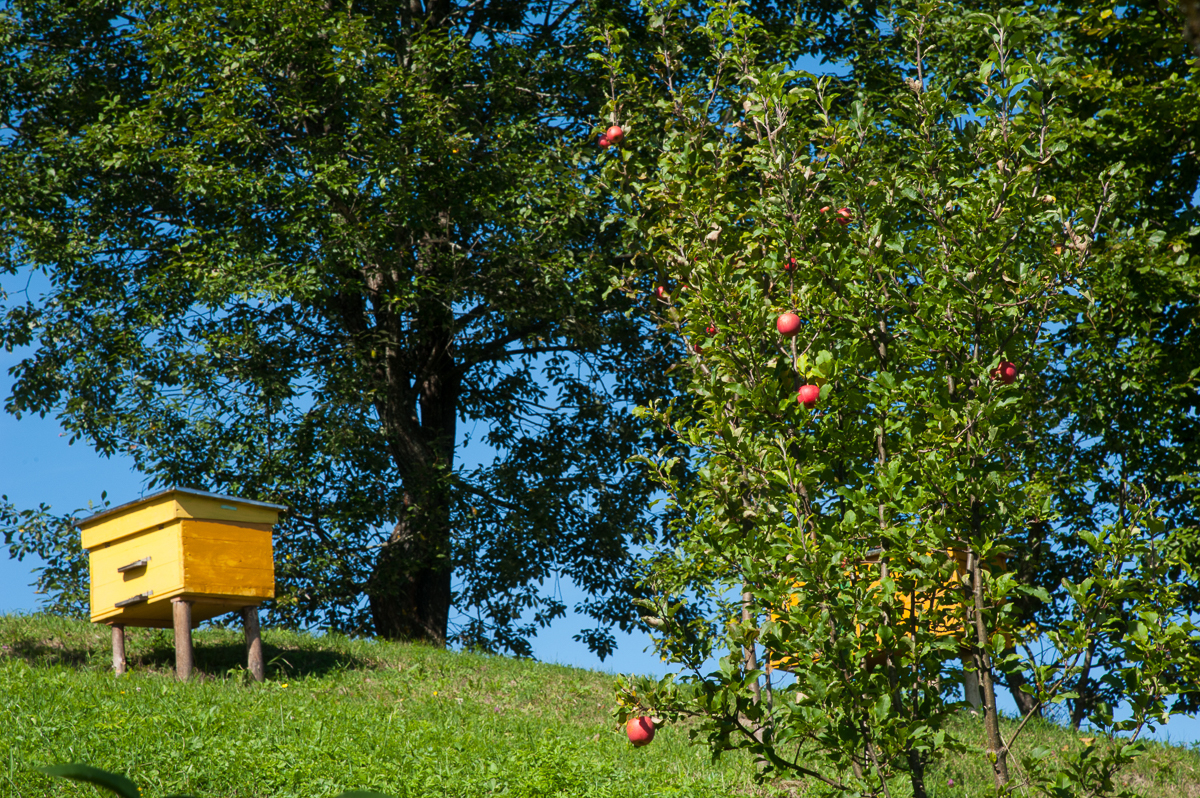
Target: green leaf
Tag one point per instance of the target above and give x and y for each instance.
(113, 782)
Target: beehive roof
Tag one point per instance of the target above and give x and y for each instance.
(121, 508)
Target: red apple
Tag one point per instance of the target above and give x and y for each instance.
(808, 395)
(661, 292)
(790, 265)
(614, 134)
(699, 350)
(788, 324)
(603, 142)
(844, 215)
(640, 731)
(1006, 372)
(711, 330)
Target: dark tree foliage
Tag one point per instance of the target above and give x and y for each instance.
(299, 252)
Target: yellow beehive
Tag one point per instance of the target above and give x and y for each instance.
(211, 550)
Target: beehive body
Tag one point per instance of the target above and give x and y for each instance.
(212, 550)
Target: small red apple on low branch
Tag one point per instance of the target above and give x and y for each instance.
(790, 265)
(711, 330)
(614, 134)
(640, 731)
(603, 142)
(661, 292)
(1006, 372)
(788, 324)
(808, 395)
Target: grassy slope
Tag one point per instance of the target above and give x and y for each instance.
(338, 714)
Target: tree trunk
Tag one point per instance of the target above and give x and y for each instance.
(997, 751)
(1086, 698)
(1025, 702)
(916, 773)
(1191, 23)
(409, 591)
(971, 688)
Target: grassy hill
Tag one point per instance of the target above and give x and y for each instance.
(338, 714)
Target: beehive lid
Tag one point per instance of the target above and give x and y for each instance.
(169, 505)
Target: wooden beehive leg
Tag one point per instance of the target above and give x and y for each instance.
(254, 649)
(118, 647)
(182, 610)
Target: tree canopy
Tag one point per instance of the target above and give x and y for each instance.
(296, 251)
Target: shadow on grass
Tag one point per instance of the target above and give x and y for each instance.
(45, 653)
(219, 658)
(216, 653)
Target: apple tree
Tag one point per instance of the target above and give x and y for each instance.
(865, 479)
(1124, 400)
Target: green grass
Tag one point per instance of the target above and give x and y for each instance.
(339, 714)
(335, 714)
